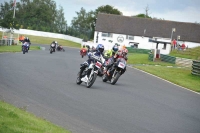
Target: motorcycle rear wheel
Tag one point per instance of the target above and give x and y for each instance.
(104, 78)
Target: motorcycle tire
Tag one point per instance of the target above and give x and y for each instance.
(23, 49)
(82, 56)
(63, 50)
(50, 51)
(115, 78)
(105, 78)
(91, 82)
(78, 80)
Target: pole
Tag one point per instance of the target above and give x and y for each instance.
(11, 29)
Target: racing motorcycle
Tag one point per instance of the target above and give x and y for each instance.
(83, 52)
(60, 48)
(90, 71)
(25, 47)
(115, 71)
(52, 48)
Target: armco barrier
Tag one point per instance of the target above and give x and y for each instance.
(167, 58)
(150, 57)
(196, 68)
(136, 50)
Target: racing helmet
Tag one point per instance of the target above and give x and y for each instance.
(125, 51)
(100, 48)
(115, 48)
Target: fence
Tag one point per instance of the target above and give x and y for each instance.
(196, 68)
(136, 50)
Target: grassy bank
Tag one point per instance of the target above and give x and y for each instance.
(16, 48)
(14, 120)
(177, 75)
(191, 53)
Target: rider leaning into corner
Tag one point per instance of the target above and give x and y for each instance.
(26, 39)
(120, 54)
(91, 58)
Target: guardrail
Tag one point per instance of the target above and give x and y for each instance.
(136, 50)
(196, 68)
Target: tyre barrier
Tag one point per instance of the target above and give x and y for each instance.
(196, 68)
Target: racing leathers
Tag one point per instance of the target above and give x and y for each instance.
(92, 57)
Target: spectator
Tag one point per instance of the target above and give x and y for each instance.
(174, 43)
(183, 46)
(21, 38)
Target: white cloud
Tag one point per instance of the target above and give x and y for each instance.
(189, 14)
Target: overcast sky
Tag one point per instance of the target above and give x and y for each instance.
(175, 10)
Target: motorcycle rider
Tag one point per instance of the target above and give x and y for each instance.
(91, 58)
(26, 42)
(53, 45)
(121, 54)
(109, 54)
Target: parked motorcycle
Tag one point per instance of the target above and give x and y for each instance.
(60, 48)
(115, 71)
(83, 52)
(92, 70)
(52, 48)
(25, 47)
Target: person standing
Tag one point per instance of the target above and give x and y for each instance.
(174, 43)
(183, 46)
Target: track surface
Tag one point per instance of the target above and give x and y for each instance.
(44, 84)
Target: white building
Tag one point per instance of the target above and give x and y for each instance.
(144, 33)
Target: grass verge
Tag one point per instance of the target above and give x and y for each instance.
(16, 48)
(179, 76)
(15, 120)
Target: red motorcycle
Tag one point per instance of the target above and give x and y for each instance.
(83, 52)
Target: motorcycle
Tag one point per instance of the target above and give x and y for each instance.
(115, 71)
(25, 47)
(92, 70)
(52, 48)
(60, 48)
(83, 52)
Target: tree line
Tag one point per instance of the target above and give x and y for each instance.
(44, 15)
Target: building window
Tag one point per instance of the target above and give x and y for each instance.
(128, 37)
(107, 35)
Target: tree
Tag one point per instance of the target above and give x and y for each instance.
(82, 23)
(142, 16)
(60, 21)
(6, 16)
(33, 14)
(108, 9)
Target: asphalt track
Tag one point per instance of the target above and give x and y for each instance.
(44, 84)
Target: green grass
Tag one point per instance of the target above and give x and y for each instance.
(48, 40)
(179, 76)
(15, 120)
(15, 48)
(191, 53)
(137, 58)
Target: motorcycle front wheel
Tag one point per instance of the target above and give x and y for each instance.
(91, 80)
(115, 78)
(104, 77)
(78, 80)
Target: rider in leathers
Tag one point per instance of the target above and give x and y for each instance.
(121, 54)
(91, 58)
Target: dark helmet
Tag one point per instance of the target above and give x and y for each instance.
(115, 48)
(100, 48)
